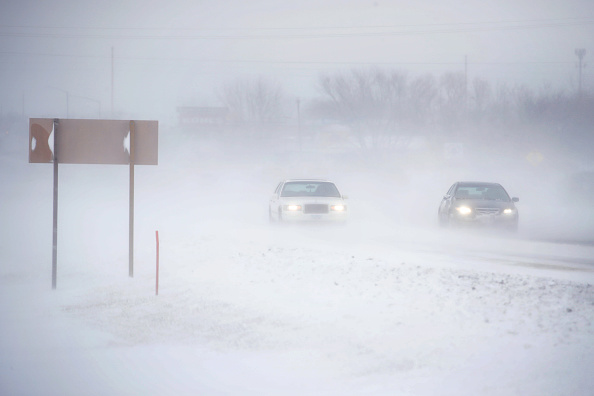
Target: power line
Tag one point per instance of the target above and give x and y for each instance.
(196, 60)
(307, 32)
(575, 20)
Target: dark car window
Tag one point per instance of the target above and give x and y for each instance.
(488, 192)
(309, 189)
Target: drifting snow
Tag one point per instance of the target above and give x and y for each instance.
(377, 307)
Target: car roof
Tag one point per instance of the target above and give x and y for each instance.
(307, 180)
(470, 183)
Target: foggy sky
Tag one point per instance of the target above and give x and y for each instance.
(57, 56)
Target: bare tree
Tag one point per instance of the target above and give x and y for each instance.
(370, 101)
(422, 93)
(257, 103)
(524, 102)
(479, 99)
(501, 110)
(481, 94)
(453, 97)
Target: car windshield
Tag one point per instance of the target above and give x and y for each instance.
(488, 192)
(309, 189)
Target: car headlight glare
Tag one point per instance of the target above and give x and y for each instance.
(292, 208)
(338, 208)
(508, 211)
(464, 210)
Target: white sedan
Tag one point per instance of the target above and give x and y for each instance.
(307, 200)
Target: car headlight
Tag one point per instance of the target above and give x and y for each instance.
(292, 208)
(508, 211)
(464, 210)
(338, 208)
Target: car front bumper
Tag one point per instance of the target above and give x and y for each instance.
(488, 220)
(299, 216)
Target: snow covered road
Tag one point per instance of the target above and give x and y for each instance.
(297, 311)
(378, 307)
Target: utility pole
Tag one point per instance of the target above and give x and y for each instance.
(111, 82)
(466, 82)
(299, 122)
(580, 53)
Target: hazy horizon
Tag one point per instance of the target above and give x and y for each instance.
(181, 53)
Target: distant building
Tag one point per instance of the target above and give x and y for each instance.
(207, 118)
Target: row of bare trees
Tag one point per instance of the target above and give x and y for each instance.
(379, 105)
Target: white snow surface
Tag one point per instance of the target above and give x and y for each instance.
(386, 305)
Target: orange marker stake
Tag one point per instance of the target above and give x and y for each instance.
(157, 278)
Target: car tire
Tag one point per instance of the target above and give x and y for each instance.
(442, 221)
(452, 222)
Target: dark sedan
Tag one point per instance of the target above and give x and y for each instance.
(478, 204)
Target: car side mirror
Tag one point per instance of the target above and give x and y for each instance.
(515, 199)
(447, 196)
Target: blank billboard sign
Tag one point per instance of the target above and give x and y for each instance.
(80, 141)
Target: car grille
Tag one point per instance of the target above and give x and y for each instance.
(487, 211)
(315, 208)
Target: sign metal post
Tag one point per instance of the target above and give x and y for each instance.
(78, 141)
(55, 217)
(131, 210)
